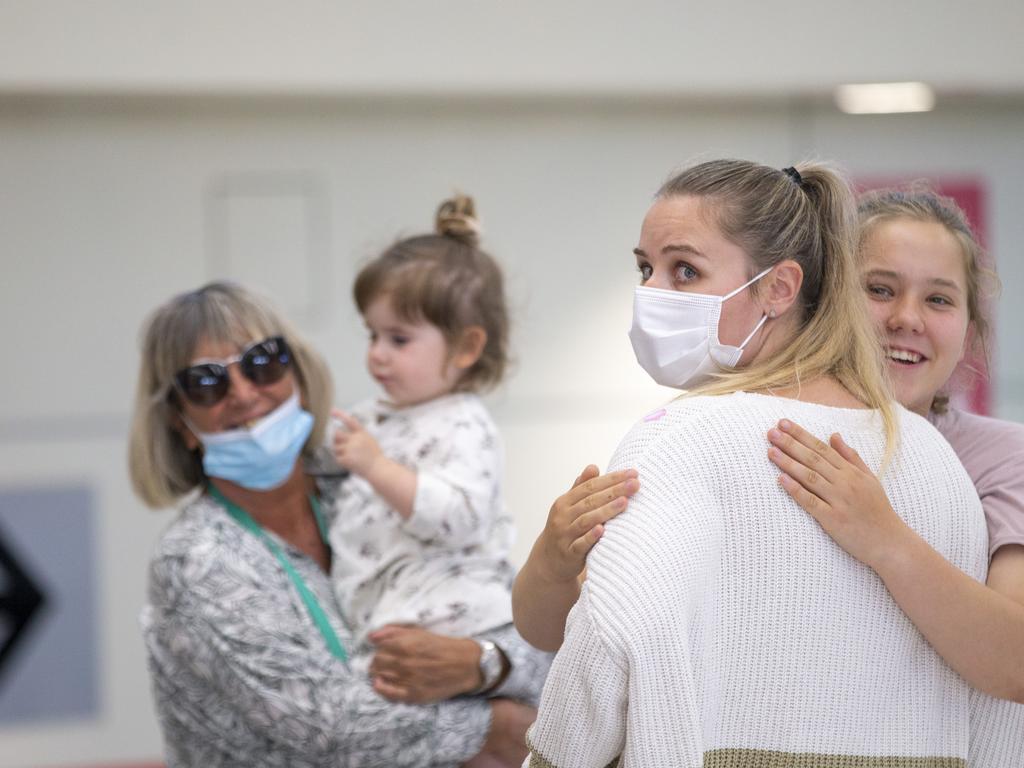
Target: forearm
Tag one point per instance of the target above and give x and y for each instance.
(447, 732)
(528, 667)
(460, 732)
(394, 483)
(977, 631)
(540, 604)
(414, 665)
(326, 716)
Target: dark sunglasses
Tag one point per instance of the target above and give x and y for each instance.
(206, 382)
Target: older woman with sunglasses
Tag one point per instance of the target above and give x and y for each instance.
(248, 652)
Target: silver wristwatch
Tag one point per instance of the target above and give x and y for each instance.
(491, 665)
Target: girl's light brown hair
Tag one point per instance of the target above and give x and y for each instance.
(807, 215)
(449, 281)
(161, 467)
(919, 202)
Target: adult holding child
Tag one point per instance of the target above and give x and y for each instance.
(708, 630)
(251, 657)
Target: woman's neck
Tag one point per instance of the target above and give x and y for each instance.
(275, 508)
(824, 390)
(285, 510)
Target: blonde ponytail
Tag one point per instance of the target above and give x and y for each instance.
(807, 214)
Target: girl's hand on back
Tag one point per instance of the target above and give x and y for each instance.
(354, 447)
(576, 521)
(832, 484)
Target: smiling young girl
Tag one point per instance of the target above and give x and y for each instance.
(421, 524)
(925, 283)
(924, 280)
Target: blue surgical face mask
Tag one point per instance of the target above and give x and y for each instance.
(260, 457)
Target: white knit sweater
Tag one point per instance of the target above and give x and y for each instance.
(720, 626)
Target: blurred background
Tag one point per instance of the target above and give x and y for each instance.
(147, 147)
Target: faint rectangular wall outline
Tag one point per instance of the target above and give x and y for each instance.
(271, 230)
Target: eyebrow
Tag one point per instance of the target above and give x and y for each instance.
(399, 327)
(892, 275)
(673, 248)
(946, 284)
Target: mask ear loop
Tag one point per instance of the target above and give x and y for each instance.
(757, 328)
(747, 284)
(764, 317)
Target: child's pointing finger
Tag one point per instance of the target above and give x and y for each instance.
(351, 423)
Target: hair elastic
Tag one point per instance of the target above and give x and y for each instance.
(794, 174)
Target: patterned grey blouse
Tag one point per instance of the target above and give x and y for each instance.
(242, 676)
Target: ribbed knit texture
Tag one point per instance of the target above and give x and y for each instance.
(997, 732)
(719, 621)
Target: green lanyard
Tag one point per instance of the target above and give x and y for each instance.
(312, 605)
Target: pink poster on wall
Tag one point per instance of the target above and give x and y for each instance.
(970, 195)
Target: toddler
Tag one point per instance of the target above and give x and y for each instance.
(420, 535)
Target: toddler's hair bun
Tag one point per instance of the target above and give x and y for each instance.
(456, 217)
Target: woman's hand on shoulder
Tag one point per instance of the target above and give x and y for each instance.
(576, 521)
(832, 483)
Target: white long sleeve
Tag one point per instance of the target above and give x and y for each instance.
(610, 670)
(585, 720)
(457, 485)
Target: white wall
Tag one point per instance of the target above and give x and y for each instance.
(109, 206)
(728, 47)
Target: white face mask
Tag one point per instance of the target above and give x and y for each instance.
(675, 335)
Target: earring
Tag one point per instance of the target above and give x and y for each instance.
(771, 313)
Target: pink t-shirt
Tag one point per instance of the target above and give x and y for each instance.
(992, 452)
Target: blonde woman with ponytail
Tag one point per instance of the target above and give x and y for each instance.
(718, 625)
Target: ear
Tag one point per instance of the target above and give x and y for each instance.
(782, 288)
(469, 347)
